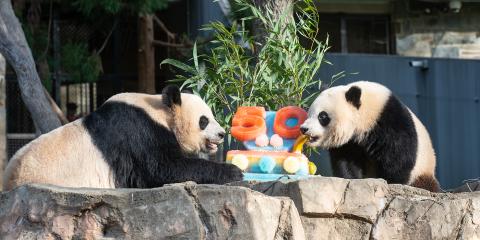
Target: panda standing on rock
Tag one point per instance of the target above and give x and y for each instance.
(370, 133)
(132, 141)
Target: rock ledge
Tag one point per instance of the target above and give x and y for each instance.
(317, 208)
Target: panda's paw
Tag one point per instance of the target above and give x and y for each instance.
(230, 173)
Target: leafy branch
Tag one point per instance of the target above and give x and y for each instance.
(281, 72)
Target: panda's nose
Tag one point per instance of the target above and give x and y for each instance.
(303, 130)
(221, 134)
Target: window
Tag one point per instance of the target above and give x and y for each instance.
(357, 33)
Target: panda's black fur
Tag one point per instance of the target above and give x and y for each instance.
(132, 141)
(391, 147)
(369, 132)
(145, 154)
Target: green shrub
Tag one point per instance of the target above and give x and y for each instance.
(79, 63)
(280, 72)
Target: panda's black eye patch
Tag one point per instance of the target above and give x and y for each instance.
(203, 122)
(323, 118)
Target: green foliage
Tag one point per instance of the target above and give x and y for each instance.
(281, 73)
(37, 40)
(79, 63)
(115, 6)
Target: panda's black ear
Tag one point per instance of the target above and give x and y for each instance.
(353, 96)
(171, 96)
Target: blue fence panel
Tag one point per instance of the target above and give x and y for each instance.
(445, 97)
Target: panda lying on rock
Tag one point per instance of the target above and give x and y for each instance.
(370, 133)
(132, 141)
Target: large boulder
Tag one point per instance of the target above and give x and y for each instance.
(336, 208)
(314, 208)
(179, 211)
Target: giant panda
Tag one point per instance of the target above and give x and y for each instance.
(370, 133)
(132, 141)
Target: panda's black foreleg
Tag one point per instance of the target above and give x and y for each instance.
(202, 171)
(347, 161)
(395, 168)
(346, 169)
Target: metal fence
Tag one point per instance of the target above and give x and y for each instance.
(443, 93)
(20, 127)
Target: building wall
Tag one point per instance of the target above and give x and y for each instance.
(436, 31)
(420, 28)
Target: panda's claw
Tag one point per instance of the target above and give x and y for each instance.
(230, 173)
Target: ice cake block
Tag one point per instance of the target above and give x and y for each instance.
(273, 142)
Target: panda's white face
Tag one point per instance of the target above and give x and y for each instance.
(195, 126)
(331, 119)
(342, 113)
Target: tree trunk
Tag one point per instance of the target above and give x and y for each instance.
(14, 47)
(146, 54)
(278, 7)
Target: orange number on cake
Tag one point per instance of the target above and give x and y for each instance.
(280, 123)
(248, 123)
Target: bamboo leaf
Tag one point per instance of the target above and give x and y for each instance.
(179, 65)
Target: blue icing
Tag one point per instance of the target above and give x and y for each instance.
(291, 122)
(270, 177)
(256, 168)
(287, 142)
(266, 164)
(303, 171)
(269, 120)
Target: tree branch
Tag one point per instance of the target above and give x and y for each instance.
(164, 27)
(174, 45)
(14, 47)
(108, 37)
(61, 116)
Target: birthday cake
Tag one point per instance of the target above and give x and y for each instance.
(273, 144)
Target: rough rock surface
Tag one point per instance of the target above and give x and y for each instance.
(322, 208)
(3, 121)
(179, 211)
(335, 208)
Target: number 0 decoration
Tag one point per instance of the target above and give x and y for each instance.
(280, 125)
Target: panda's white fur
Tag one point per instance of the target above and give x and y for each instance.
(133, 140)
(360, 135)
(65, 156)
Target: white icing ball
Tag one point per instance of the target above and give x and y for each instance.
(262, 140)
(291, 164)
(241, 161)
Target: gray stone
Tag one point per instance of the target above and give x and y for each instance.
(2, 66)
(446, 51)
(324, 196)
(3, 121)
(179, 211)
(322, 208)
(334, 208)
(442, 44)
(336, 228)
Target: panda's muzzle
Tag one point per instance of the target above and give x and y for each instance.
(311, 139)
(212, 144)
